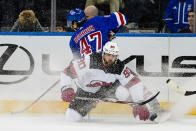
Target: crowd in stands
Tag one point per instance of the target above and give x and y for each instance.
(162, 16)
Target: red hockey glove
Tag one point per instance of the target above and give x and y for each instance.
(142, 111)
(68, 95)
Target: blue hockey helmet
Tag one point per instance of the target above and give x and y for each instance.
(77, 15)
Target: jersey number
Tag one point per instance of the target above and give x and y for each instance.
(81, 63)
(127, 72)
(85, 48)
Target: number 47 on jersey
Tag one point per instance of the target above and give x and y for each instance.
(87, 48)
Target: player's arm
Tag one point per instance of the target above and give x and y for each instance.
(74, 71)
(67, 75)
(115, 21)
(136, 90)
(129, 80)
(74, 49)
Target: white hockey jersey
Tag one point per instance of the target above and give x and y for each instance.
(91, 75)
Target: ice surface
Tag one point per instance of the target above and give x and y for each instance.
(57, 122)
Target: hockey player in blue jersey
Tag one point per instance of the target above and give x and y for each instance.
(91, 35)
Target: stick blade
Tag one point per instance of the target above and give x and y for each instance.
(173, 86)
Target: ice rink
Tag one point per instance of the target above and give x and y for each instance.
(50, 122)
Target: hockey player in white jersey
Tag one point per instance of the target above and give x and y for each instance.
(95, 77)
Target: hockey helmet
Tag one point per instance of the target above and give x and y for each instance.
(111, 48)
(77, 15)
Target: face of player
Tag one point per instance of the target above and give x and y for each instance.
(74, 26)
(191, 18)
(109, 59)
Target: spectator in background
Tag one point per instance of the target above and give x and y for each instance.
(176, 16)
(134, 10)
(141, 13)
(114, 5)
(60, 27)
(27, 22)
(91, 11)
(191, 22)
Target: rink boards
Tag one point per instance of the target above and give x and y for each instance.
(31, 63)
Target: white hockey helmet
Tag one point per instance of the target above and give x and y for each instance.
(111, 48)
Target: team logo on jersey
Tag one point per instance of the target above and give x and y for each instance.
(98, 83)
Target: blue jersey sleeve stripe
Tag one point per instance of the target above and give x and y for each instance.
(120, 18)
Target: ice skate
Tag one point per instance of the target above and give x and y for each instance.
(160, 117)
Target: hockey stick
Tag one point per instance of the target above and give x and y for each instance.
(112, 100)
(36, 100)
(173, 85)
(128, 59)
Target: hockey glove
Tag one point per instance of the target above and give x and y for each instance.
(111, 35)
(68, 95)
(142, 111)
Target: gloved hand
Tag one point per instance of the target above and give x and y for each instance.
(142, 111)
(68, 95)
(111, 35)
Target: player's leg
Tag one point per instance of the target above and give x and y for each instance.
(80, 108)
(72, 115)
(122, 93)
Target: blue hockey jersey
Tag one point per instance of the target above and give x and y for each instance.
(176, 16)
(93, 35)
